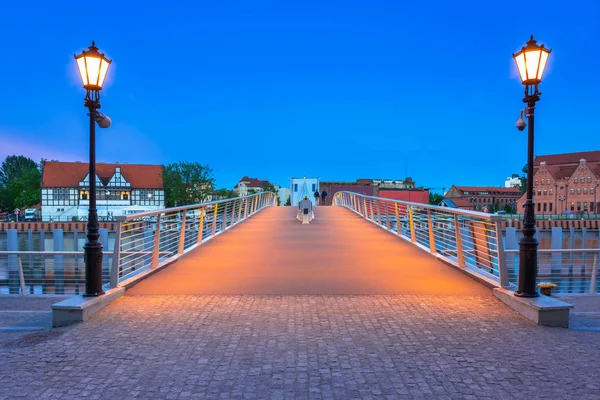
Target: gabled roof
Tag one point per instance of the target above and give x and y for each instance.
(57, 174)
(253, 182)
(568, 158)
(511, 190)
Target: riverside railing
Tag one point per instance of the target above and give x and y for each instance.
(469, 240)
(473, 241)
(143, 242)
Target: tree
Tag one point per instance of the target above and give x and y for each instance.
(523, 185)
(435, 199)
(226, 194)
(187, 183)
(20, 181)
(289, 201)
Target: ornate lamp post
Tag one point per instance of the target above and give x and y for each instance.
(531, 62)
(93, 67)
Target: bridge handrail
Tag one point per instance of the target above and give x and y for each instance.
(149, 240)
(469, 240)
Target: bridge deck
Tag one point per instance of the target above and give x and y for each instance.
(339, 253)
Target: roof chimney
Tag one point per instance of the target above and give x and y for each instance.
(543, 163)
(582, 161)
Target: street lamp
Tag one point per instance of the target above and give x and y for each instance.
(93, 67)
(531, 62)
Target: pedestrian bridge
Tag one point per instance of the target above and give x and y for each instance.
(338, 253)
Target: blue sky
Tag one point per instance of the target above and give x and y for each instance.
(378, 88)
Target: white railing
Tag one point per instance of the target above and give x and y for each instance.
(150, 240)
(46, 272)
(574, 271)
(469, 240)
(143, 242)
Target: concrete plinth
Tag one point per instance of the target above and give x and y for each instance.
(542, 310)
(78, 308)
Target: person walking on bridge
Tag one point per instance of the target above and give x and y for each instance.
(317, 195)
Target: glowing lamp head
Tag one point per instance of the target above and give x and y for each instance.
(93, 67)
(531, 62)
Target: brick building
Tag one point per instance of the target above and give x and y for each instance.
(392, 189)
(566, 183)
(481, 198)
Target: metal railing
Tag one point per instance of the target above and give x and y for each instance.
(572, 270)
(151, 239)
(469, 240)
(143, 241)
(46, 272)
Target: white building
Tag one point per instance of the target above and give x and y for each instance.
(300, 187)
(121, 189)
(248, 185)
(512, 182)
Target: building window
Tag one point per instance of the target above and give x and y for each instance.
(295, 187)
(547, 181)
(84, 195)
(584, 190)
(550, 192)
(572, 191)
(539, 206)
(576, 180)
(578, 206)
(584, 206)
(578, 190)
(124, 195)
(545, 192)
(544, 207)
(591, 190)
(550, 207)
(572, 206)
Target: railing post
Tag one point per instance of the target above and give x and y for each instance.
(378, 212)
(214, 222)
(182, 233)
(364, 213)
(200, 226)
(398, 225)
(502, 267)
(116, 257)
(411, 222)
(245, 207)
(460, 253)
(21, 277)
(432, 249)
(240, 211)
(387, 216)
(156, 248)
(594, 275)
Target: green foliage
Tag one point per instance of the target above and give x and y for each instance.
(226, 194)
(435, 199)
(508, 209)
(289, 201)
(187, 183)
(20, 182)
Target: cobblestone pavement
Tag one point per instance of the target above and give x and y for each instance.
(22, 315)
(303, 347)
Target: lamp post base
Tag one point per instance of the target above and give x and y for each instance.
(92, 255)
(528, 246)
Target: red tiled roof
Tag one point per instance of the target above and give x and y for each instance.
(461, 202)
(68, 174)
(489, 189)
(253, 182)
(568, 158)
